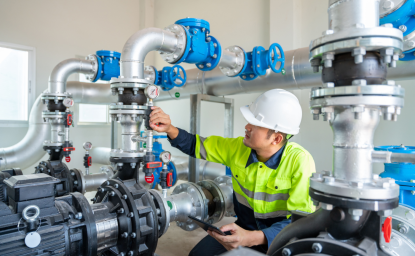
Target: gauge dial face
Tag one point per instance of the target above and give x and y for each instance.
(165, 156)
(68, 102)
(152, 91)
(87, 145)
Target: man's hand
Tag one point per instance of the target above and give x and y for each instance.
(160, 122)
(239, 237)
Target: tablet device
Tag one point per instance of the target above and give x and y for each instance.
(206, 226)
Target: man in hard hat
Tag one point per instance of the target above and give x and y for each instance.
(270, 175)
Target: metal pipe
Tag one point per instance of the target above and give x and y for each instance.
(61, 72)
(90, 93)
(299, 75)
(100, 155)
(30, 148)
(402, 158)
(353, 143)
(139, 45)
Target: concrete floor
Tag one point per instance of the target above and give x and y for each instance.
(178, 242)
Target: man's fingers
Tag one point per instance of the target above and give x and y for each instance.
(160, 120)
(154, 107)
(229, 227)
(156, 111)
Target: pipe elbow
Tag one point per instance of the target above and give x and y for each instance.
(140, 44)
(61, 72)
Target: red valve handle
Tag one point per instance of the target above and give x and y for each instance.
(149, 179)
(151, 165)
(69, 120)
(68, 159)
(89, 162)
(169, 179)
(69, 149)
(387, 229)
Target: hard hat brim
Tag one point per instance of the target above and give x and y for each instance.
(250, 118)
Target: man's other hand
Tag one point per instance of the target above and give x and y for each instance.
(238, 237)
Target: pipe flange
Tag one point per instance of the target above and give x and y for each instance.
(355, 33)
(49, 143)
(377, 189)
(387, 7)
(218, 199)
(368, 43)
(199, 204)
(238, 63)
(181, 36)
(128, 107)
(127, 112)
(95, 61)
(329, 201)
(409, 42)
(55, 95)
(116, 153)
(386, 90)
(164, 214)
(225, 185)
(126, 82)
(373, 101)
(403, 232)
(150, 73)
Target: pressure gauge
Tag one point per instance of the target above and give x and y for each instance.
(165, 157)
(152, 91)
(87, 146)
(68, 102)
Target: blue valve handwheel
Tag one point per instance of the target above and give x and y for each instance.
(273, 62)
(175, 76)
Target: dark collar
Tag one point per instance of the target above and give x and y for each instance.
(271, 163)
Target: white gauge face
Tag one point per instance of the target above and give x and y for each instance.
(87, 145)
(152, 91)
(68, 102)
(165, 156)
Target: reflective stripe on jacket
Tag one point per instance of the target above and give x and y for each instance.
(269, 192)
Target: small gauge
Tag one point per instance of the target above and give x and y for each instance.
(87, 146)
(68, 102)
(152, 91)
(165, 157)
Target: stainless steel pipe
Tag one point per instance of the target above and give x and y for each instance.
(30, 148)
(139, 45)
(353, 143)
(61, 72)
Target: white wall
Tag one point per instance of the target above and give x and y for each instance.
(60, 30)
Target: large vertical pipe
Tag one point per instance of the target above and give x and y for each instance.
(353, 143)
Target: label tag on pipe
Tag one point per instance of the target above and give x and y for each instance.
(149, 179)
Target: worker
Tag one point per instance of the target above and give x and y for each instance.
(270, 175)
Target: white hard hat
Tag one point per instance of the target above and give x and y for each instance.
(275, 109)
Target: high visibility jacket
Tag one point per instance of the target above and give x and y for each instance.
(263, 192)
(269, 192)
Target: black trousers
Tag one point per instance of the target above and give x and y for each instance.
(209, 246)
